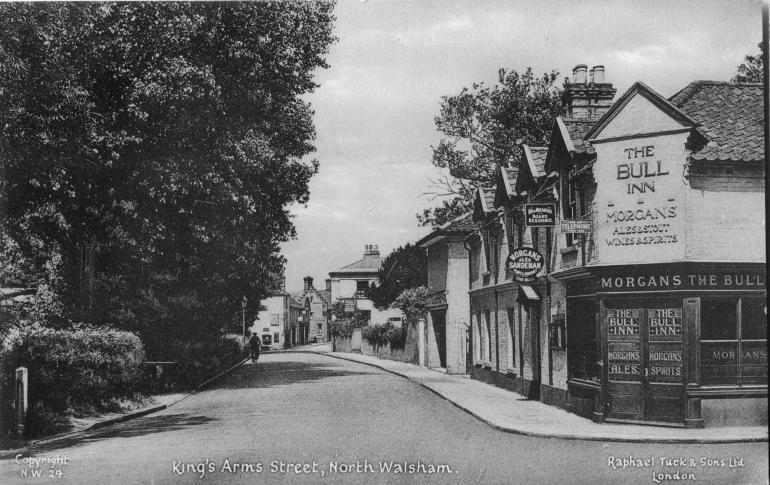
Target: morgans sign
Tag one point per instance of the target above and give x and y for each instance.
(524, 264)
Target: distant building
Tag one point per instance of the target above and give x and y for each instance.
(316, 314)
(277, 322)
(349, 283)
(448, 318)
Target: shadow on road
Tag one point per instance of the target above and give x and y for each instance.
(268, 373)
(137, 427)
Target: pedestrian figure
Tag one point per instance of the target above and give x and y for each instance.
(255, 345)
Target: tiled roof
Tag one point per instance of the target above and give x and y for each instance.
(369, 264)
(537, 156)
(488, 197)
(578, 129)
(459, 226)
(464, 223)
(326, 296)
(510, 175)
(731, 117)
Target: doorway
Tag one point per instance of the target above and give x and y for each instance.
(644, 360)
(438, 317)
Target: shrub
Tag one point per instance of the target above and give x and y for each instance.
(200, 360)
(73, 369)
(385, 333)
(345, 322)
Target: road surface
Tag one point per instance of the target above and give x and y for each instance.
(307, 418)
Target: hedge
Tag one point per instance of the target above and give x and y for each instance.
(71, 369)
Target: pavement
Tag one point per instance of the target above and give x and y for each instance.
(510, 412)
(83, 425)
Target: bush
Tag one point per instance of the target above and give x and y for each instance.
(385, 333)
(201, 360)
(75, 369)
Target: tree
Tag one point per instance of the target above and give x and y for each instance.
(751, 70)
(156, 147)
(482, 128)
(402, 269)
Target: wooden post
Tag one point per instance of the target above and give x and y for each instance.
(20, 402)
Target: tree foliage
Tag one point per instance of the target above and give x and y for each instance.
(156, 146)
(482, 128)
(751, 70)
(404, 268)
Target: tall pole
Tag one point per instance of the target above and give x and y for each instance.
(766, 86)
(244, 302)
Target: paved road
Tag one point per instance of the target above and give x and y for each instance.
(305, 409)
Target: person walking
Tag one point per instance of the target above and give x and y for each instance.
(255, 346)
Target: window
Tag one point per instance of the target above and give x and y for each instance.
(485, 236)
(361, 287)
(488, 329)
(276, 337)
(556, 340)
(274, 319)
(511, 340)
(733, 341)
(476, 321)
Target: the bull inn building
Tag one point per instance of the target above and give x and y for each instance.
(644, 221)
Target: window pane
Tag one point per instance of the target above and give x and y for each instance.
(718, 319)
(753, 319)
(754, 362)
(719, 363)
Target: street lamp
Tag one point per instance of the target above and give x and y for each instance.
(244, 302)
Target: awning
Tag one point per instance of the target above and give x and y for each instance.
(528, 293)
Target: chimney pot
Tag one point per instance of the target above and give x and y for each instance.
(598, 74)
(579, 74)
(308, 283)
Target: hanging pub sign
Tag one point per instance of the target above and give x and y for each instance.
(576, 226)
(540, 214)
(524, 264)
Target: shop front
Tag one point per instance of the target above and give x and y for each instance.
(680, 344)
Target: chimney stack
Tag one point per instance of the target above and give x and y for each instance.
(308, 283)
(587, 98)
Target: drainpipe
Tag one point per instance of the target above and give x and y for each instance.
(470, 309)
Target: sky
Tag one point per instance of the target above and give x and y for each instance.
(394, 60)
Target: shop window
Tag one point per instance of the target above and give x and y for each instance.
(733, 345)
(511, 340)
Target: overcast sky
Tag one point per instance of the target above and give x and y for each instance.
(394, 60)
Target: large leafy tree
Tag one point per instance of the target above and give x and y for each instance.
(402, 269)
(751, 70)
(482, 127)
(156, 147)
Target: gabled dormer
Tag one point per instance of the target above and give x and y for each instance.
(531, 172)
(640, 112)
(505, 186)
